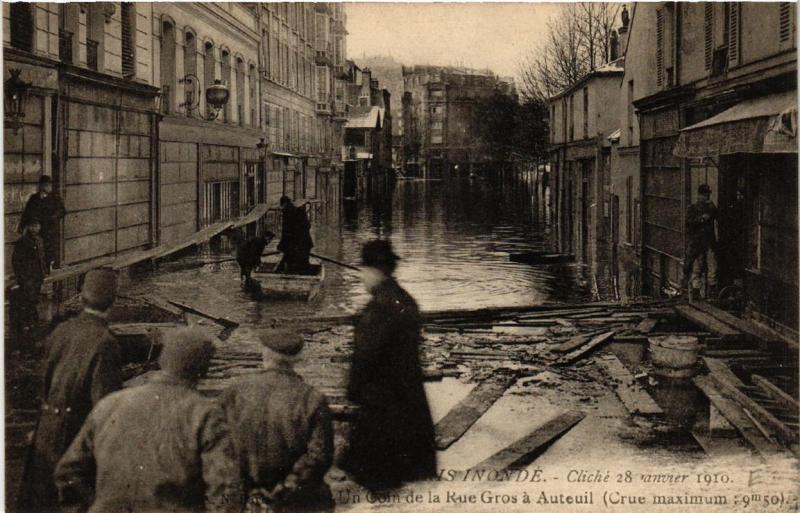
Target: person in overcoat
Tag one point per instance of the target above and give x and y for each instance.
(29, 265)
(283, 432)
(83, 365)
(392, 436)
(295, 243)
(46, 206)
(158, 447)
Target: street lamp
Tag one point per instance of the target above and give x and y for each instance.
(16, 96)
(217, 95)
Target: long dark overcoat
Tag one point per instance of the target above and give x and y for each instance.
(83, 365)
(392, 437)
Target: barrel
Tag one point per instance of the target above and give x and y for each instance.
(674, 352)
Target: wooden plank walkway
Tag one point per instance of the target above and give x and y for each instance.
(633, 396)
(751, 329)
(595, 342)
(522, 452)
(776, 393)
(707, 322)
(470, 409)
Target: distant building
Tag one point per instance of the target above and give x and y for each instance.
(438, 118)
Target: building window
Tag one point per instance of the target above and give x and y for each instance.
(128, 14)
(786, 24)
(168, 66)
(585, 112)
(252, 96)
(209, 65)
(240, 91)
(95, 37)
(21, 25)
(190, 54)
(226, 77)
(659, 47)
(68, 22)
(630, 112)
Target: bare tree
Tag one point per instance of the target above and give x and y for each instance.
(578, 41)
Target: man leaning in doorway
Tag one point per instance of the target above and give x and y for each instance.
(46, 206)
(701, 245)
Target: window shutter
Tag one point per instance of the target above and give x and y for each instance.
(128, 39)
(734, 34)
(659, 46)
(785, 29)
(708, 33)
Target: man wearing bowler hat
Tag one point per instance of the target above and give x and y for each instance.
(701, 245)
(158, 447)
(83, 365)
(47, 207)
(283, 432)
(392, 436)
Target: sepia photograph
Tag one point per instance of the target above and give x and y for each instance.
(296, 257)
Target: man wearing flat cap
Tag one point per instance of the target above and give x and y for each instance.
(83, 365)
(160, 446)
(392, 437)
(283, 432)
(701, 245)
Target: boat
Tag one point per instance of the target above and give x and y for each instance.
(289, 286)
(540, 258)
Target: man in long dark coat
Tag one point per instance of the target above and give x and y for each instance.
(282, 430)
(47, 207)
(29, 265)
(392, 437)
(701, 248)
(158, 447)
(296, 240)
(83, 365)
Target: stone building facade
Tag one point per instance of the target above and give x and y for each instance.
(117, 114)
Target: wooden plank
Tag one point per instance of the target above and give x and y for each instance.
(584, 349)
(753, 330)
(522, 452)
(719, 368)
(707, 322)
(470, 409)
(776, 393)
(634, 397)
(574, 342)
(734, 414)
(219, 320)
(647, 325)
(784, 433)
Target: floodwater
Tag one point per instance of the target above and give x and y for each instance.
(454, 237)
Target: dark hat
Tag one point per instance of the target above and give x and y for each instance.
(99, 288)
(45, 179)
(284, 200)
(30, 220)
(186, 353)
(378, 253)
(281, 341)
(704, 189)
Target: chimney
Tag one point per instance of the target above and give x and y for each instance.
(622, 41)
(366, 77)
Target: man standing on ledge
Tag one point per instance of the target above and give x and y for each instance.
(296, 240)
(47, 207)
(701, 245)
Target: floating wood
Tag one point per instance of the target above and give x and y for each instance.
(574, 342)
(776, 393)
(647, 325)
(522, 452)
(784, 433)
(584, 349)
(734, 414)
(707, 322)
(749, 328)
(459, 419)
(633, 396)
(222, 321)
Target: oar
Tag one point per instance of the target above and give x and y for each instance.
(268, 253)
(337, 262)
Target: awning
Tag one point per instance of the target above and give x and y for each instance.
(760, 125)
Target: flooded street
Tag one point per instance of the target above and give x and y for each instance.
(454, 238)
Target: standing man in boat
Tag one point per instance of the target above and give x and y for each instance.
(296, 240)
(392, 437)
(83, 366)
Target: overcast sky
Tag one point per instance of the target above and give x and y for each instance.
(477, 35)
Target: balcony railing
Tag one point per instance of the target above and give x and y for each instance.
(323, 108)
(65, 46)
(91, 54)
